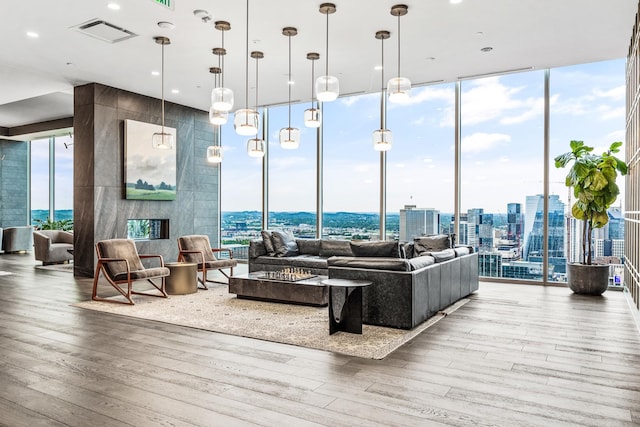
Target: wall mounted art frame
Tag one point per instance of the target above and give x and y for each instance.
(149, 173)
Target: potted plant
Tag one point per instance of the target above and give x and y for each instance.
(48, 224)
(593, 179)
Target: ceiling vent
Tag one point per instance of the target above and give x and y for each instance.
(104, 31)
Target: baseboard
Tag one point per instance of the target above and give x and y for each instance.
(635, 313)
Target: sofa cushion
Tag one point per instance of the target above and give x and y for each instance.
(371, 263)
(441, 256)
(308, 246)
(436, 242)
(461, 251)
(284, 244)
(302, 261)
(407, 250)
(421, 262)
(329, 248)
(381, 248)
(268, 242)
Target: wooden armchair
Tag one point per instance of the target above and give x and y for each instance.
(119, 261)
(197, 249)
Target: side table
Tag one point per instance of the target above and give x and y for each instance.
(183, 278)
(345, 305)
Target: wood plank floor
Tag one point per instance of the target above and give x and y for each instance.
(514, 356)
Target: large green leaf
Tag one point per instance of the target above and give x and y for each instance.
(598, 181)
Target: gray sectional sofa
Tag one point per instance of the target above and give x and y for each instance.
(410, 282)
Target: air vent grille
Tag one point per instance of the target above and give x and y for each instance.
(105, 31)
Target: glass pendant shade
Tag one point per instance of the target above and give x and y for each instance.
(289, 138)
(399, 89)
(382, 140)
(255, 147)
(327, 88)
(162, 140)
(217, 117)
(312, 117)
(245, 122)
(214, 154)
(222, 99)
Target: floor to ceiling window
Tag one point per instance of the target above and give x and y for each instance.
(351, 168)
(292, 174)
(52, 175)
(502, 149)
(587, 103)
(420, 173)
(241, 191)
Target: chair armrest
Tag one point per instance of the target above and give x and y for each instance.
(214, 250)
(65, 237)
(147, 256)
(183, 252)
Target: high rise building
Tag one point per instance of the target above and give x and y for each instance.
(534, 227)
(416, 222)
(481, 233)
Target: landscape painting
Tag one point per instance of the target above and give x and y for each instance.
(149, 173)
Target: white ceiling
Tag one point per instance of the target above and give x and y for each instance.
(440, 42)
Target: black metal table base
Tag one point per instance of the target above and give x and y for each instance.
(345, 310)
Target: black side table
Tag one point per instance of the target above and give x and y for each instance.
(345, 305)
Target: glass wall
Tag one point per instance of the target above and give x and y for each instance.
(351, 168)
(420, 173)
(502, 158)
(241, 191)
(40, 180)
(63, 178)
(587, 103)
(292, 175)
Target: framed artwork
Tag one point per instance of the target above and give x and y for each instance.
(149, 173)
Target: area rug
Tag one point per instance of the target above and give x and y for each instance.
(57, 267)
(218, 311)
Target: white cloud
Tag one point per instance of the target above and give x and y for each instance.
(483, 141)
(617, 93)
(425, 94)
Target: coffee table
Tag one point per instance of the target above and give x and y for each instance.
(305, 292)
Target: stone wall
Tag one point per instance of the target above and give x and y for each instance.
(14, 183)
(100, 209)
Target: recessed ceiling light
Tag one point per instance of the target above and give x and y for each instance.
(291, 82)
(155, 73)
(166, 25)
(175, 91)
(113, 6)
(455, 1)
(32, 34)
(378, 67)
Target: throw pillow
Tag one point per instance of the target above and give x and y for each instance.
(388, 249)
(434, 243)
(329, 248)
(268, 243)
(308, 246)
(284, 243)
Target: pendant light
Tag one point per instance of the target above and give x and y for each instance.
(289, 137)
(398, 87)
(255, 146)
(217, 117)
(222, 97)
(327, 87)
(382, 138)
(245, 120)
(162, 140)
(312, 116)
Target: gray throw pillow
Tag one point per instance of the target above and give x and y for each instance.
(434, 243)
(284, 243)
(444, 255)
(330, 248)
(268, 243)
(387, 249)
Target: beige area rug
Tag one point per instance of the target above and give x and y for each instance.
(57, 267)
(218, 311)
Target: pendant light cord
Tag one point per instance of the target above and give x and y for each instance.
(289, 84)
(221, 64)
(257, 59)
(313, 79)
(162, 72)
(326, 55)
(246, 66)
(382, 94)
(398, 47)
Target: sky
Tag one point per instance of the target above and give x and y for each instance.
(502, 151)
(502, 144)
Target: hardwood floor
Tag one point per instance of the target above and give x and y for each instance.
(514, 356)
